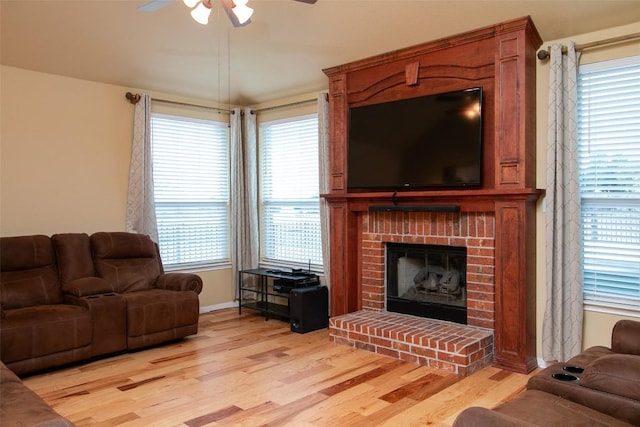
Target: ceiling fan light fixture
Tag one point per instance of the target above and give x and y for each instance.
(201, 13)
(242, 11)
(191, 3)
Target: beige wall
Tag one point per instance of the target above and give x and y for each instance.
(65, 154)
(64, 161)
(597, 325)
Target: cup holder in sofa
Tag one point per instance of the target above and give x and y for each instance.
(110, 294)
(573, 369)
(564, 377)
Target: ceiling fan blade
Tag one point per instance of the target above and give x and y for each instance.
(307, 1)
(154, 5)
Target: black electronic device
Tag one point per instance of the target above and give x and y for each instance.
(285, 285)
(427, 142)
(309, 309)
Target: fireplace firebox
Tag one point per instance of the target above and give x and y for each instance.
(427, 281)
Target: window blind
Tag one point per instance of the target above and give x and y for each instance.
(191, 189)
(609, 167)
(289, 191)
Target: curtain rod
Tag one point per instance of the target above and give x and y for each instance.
(544, 53)
(292, 104)
(135, 97)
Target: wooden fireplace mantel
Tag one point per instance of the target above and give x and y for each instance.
(501, 59)
(465, 200)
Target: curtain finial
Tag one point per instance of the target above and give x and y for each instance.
(132, 97)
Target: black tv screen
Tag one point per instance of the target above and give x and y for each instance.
(428, 142)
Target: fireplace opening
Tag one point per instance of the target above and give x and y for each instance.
(427, 281)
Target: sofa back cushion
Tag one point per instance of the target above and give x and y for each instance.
(73, 252)
(616, 374)
(28, 274)
(625, 337)
(129, 261)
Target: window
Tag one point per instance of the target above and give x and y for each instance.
(191, 189)
(609, 167)
(289, 192)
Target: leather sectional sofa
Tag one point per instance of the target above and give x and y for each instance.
(73, 297)
(598, 387)
(19, 406)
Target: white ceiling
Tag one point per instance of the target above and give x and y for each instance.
(280, 54)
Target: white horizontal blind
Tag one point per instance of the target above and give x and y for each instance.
(609, 158)
(191, 189)
(289, 191)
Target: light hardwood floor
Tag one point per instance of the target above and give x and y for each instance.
(243, 370)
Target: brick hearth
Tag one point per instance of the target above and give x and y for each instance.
(458, 348)
(443, 345)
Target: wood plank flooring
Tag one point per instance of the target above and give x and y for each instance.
(245, 371)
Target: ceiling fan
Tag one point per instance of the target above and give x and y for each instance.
(237, 10)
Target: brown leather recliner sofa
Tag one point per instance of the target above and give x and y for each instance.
(598, 387)
(72, 297)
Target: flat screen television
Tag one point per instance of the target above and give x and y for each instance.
(428, 142)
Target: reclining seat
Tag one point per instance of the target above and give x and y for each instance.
(605, 379)
(160, 306)
(37, 330)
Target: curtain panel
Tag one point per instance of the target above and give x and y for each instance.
(141, 212)
(244, 194)
(323, 147)
(562, 323)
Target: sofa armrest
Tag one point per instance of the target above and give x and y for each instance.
(480, 417)
(179, 282)
(617, 374)
(625, 337)
(87, 286)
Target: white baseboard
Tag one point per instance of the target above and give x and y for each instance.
(215, 307)
(541, 363)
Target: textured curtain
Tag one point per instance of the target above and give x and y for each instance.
(323, 155)
(244, 194)
(562, 324)
(141, 212)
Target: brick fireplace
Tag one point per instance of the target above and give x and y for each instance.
(444, 345)
(473, 230)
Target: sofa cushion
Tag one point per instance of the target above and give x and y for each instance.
(618, 374)
(129, 261)
(25, 252)
(28, 275)
(625, 337)
(589, 355)
(42, 330)
(73, 252)
(611, 404)
(536, 408)
(87, 286)
(160, 310)
(123, 245)
(27, 288)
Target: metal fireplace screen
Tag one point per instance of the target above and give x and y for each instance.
(427, 281)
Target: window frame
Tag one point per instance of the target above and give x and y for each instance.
(589, 200)
(195, 115)
(265, 261)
